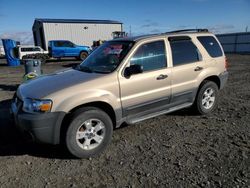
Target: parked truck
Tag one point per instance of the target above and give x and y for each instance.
(65, 48)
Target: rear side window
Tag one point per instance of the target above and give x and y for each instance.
(211, 45)
(30, 49)
(68, 44)
(151, 56)
(184, 52)
(24, 49)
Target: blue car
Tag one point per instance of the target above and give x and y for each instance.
(65, 48)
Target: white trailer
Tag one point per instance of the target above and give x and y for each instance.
(81, 32)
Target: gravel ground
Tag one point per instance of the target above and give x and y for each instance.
(174, 150)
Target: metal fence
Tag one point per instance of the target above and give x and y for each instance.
(235, 42)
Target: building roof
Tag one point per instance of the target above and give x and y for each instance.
(48, 20)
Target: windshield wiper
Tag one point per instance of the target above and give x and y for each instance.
(85, 69)
(90, 70)
(102, 72)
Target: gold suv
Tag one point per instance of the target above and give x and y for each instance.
(123, 81)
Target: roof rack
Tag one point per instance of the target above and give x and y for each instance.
(189, 30)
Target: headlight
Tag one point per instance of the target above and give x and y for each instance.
(34, 105)
(89, 49)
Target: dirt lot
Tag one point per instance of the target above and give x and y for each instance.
(175, 150)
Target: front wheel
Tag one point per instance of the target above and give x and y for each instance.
(206, 100)
(83, 55)
(89, 132)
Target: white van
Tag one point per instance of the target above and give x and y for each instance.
(26, 50)
(2, 53)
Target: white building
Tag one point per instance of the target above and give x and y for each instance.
(80, 32)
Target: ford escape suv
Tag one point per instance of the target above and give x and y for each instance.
(123, 81)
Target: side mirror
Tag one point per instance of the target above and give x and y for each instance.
(133, 69)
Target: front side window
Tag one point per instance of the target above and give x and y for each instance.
(68, 44)
(36, 49)
(63, 44)
(107, 57)
(184, 52)
(151, 56)
(58, 43)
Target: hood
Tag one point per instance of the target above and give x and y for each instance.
(48, 84)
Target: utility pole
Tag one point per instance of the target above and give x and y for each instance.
(246, 28)
(130, 31)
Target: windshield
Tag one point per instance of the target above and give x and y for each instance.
(107, 57)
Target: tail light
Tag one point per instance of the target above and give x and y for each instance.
(226, 63)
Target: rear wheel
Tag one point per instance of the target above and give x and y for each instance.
(89, 132)
(83, 55)
(206, 100)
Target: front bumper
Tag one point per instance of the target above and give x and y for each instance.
(223, 79)
(44, 128)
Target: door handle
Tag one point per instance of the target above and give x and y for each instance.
(162, 76)
(198, 68)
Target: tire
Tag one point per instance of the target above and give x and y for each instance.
(83, 55)
(89, 132)
(207, 98)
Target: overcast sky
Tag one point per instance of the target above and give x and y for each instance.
(143, 16)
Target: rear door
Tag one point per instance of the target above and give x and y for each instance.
(151, 89)
(187, 65)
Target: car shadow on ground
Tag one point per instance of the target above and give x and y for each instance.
(184, 112)
(8, 87)
(73, 65)
(13, 143)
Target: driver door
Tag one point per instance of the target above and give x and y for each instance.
(150, 89)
